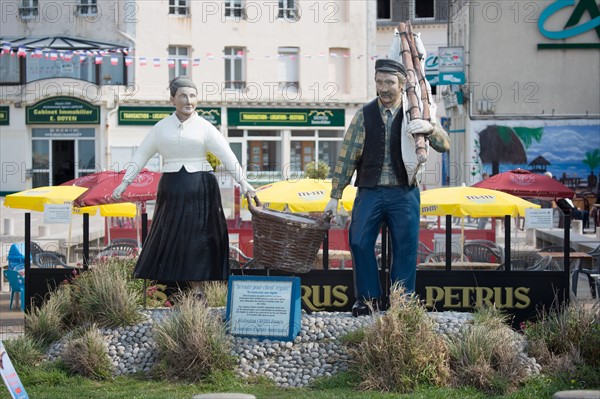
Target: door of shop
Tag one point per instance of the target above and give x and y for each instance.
(61, 154)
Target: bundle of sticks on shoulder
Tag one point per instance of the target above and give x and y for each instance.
(412, 54)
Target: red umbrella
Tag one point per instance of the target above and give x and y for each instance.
(523, 183)
(102, 184)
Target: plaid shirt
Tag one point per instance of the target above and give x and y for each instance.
(354, 142)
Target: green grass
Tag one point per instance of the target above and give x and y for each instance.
(53, 382)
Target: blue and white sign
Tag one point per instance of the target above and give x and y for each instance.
(264, 307)
(432, 69)
(451, 65)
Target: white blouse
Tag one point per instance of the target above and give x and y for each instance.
(185, 144)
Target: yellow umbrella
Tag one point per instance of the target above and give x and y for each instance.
(34, 199)
(473, 201)
(477, 202)
(302, 195)
(122, 209)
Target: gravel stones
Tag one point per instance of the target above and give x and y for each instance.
(314, 353)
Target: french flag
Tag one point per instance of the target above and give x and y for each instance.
(196, 62)
(143, 61)
(98, 59)
(128, 61)
(21, 52)
(185, 63)
(171, 62)
(114, 60)
(156, 62)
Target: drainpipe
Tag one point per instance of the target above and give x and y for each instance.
(109, 115)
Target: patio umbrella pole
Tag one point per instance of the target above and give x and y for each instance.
(144, 234)
(566, 254)
(27, 296)
(86, 241)
(507, 241)
(448, 242)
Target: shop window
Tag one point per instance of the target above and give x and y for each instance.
(264, 160)
(10, 70)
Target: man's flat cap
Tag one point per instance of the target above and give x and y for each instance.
(390, 66)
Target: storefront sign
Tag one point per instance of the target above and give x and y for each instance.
(518, 293)
(4, 116)
(451, 66)
(62, 111)
(432, 68)
(151, 115)
(578, 17)
(63, 132)
(285, 117)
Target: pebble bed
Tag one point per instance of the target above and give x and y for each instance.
(315, 352)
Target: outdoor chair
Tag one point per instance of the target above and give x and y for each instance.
(422, 252)
(238, 259)
(543, 263)
(117, 250)
(481, 253)
(48, 260)
(17, 286)
(555, 248)
(37, 249)
(497, 249)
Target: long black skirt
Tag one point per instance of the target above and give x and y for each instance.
(188, 238)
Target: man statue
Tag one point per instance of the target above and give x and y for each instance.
(380, 147)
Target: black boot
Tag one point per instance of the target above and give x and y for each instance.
(383, 303)
(361, 308)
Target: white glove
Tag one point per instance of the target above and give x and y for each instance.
(247, 189)
(419, 126)
(119, 190)
(332, 206)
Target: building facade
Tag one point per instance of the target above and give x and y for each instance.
(82, 82)
(532, 89)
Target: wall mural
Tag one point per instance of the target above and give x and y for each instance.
(569, 151)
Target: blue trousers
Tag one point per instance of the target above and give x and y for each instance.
(398, 208)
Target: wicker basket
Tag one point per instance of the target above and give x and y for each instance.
(286, 241)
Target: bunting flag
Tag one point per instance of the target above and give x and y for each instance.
(129, 58)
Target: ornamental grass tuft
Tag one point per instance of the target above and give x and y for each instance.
(104, 295)
(24, 351)
(401, 350)
(192, 341)
(562, 339)
(485, 354)
(86, 354)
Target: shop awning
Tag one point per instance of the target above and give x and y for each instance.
(59, 43)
